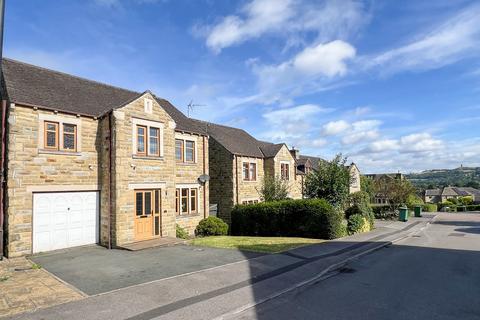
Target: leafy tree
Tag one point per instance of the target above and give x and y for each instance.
(368, 186)
(273, 189)
(466, 200)
(397, 191)
(330, 182)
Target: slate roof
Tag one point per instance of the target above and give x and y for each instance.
(270, 150)
(433, 192)
(313, 160)
(236, 141)
(35, 86)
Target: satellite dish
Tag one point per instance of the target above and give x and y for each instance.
(204, 178)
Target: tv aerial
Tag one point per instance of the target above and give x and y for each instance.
(191, 106)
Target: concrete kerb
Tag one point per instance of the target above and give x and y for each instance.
(324, 274)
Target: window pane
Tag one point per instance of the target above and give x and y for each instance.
(51, 127)
(245, 171)
(51, 139)
(178, 149)
(148, 203)
(154, 141)
(253, 172)
(177, 201)
(157, 201)
(184, 205)
(193, 200)
(69, 141)
(189, 151)
(141, 144)
(139, 203)
(69, 128)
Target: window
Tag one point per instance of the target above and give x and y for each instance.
(51, 135)
(249, 201)
(148, 105)
(54, 139)
(285, 172)
(189, 151)
(141, 133)
(148, 141)
(186, 200)
(185, 150)
(179, 150)
(249, 170)
(143, 203)
(70, 137)
(154, 141)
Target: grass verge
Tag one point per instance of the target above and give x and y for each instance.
(257, 244)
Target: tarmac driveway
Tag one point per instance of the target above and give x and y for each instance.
(94, 269)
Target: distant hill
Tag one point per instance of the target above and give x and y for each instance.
(437, 178)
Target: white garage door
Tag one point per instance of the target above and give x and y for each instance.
(64, 219)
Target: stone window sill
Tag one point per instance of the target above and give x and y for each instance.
(59, 152)
(147, 157)
(188, 164)
(187, 216)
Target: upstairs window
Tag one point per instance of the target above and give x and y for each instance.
(285, 171)
(249, 170)
(185, 150)
(148, 141)
(60, 136)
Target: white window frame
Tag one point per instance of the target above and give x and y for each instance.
(148, 124)
(186, 138)
(61, 120)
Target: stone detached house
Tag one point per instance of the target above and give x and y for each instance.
(91, 163)
(239, 163)
(380, 197)
(443, 194)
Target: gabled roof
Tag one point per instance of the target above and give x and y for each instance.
(433, 192)
(35, 86)
(449, 191)
(270, 150)
(313, 160)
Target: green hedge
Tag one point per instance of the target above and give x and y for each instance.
(311, 218)
(473, 207)
(383, 212)
(430, 207)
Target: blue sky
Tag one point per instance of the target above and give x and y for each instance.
(394, 85)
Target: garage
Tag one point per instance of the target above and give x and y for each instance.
(65, 219)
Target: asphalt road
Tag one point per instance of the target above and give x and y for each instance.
(432, 275)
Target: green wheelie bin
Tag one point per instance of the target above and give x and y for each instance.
(403, 214)
(418, 211)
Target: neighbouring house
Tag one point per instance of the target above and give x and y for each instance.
(89, 163)
(443, 194)
(380, 197)
(307, 164)
(238, 165)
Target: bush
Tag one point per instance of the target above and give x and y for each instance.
(360, 204)
(473, 207)
(181, 233)
(384, 212)
(311, 218)
(211, 226)
(358, 223)
(430, 207)
(413, 200)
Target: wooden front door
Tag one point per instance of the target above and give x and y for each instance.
(147, 214)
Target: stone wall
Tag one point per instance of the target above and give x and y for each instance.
(32, 169)
(221, 179)
(284, 156)
(355, 179)
(247, 190)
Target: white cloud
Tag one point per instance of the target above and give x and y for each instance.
(260, 16)
(453, 40)
(330, 19)
(335, 127)
(383, 145)
(297, 113)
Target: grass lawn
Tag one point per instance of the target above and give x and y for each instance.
(258, 244)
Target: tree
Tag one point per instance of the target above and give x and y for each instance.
(396, 191)
(331, 181)
(368, 186)
(273, 189)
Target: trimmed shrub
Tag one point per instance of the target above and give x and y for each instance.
(358, 223)
(473, 207)
(181, 233)
(311, 218)
(211, 226)
(430, 207)
(384, 212)
(360, 204)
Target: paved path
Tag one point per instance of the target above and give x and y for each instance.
(432, 275)
(219, 291)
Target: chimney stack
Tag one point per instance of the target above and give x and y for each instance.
(295, 153)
